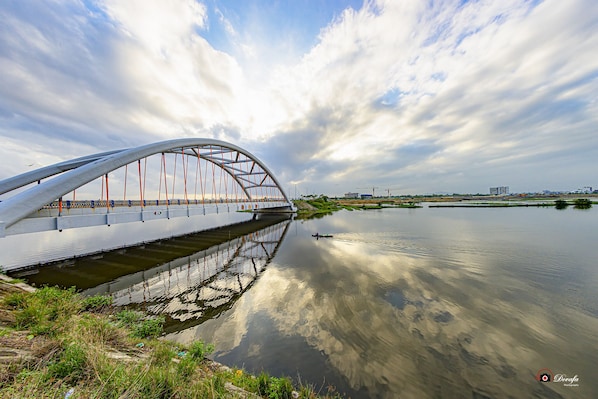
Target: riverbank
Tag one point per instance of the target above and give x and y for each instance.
(322, 205)
(55, 343)
(327, 205)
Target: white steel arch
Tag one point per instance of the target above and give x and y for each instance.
(78, 172)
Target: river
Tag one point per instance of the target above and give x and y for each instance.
(409, 303)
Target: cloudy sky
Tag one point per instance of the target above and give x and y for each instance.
(334, 96)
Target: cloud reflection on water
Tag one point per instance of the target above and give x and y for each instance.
(394, 319)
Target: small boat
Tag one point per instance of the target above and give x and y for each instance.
(318, 235)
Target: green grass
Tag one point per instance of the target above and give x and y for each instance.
(141, 326)
(76, 338)
(44, 312)
(319, 207)
(97, 302)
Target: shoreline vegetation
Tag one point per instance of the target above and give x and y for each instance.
(54, 343)
(318, 206)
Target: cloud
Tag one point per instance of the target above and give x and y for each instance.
(482, 81)
(408, 93)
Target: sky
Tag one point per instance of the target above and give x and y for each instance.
(409, 97)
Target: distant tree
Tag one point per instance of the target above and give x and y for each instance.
(561, 204)
(582, 203)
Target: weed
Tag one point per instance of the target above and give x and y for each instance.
(218, 385)
(198, 350)
(141, 328)
(274, 387)
(162, 353)
(128, 318)
(157, 383)
(71, 364)
(45, 310)
(186, 367)
(15, 300)
(97, 302)
(147, 328)
(280, 388)
(263, 383)
(116, 378)
(98, 330)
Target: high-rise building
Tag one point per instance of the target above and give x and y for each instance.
(502, 190)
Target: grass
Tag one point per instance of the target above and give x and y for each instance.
(89, 348)
(320, 206)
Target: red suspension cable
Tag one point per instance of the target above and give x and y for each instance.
(174, 175)
(185, 166)
(165, 182)
(213, 177)
(140, 185)
(125, 189)
(160, 179)
(107, 196)
(144, 175)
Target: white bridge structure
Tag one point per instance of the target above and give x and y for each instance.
(164, 180)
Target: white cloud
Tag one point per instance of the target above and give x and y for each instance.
(408, 92)
(467, 78)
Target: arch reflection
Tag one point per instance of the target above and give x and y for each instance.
(200, 286)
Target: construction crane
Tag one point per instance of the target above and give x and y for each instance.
(388, 190)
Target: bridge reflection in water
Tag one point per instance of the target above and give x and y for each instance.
(188, 279)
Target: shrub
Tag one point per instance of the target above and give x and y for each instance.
(280, 388)
(263, 384)
(198, 350)
(582, 203)
(273, 387)
(561, 204)
(151, 327)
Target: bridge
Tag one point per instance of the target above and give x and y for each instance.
(164, 180)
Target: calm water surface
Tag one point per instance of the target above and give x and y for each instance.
(409, 303)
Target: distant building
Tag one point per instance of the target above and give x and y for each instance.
(366, 196)
(585, 190)
(502, 190)
(351, 195)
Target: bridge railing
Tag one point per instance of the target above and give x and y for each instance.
(102, 204)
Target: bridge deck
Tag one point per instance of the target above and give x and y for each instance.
(76, 214)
